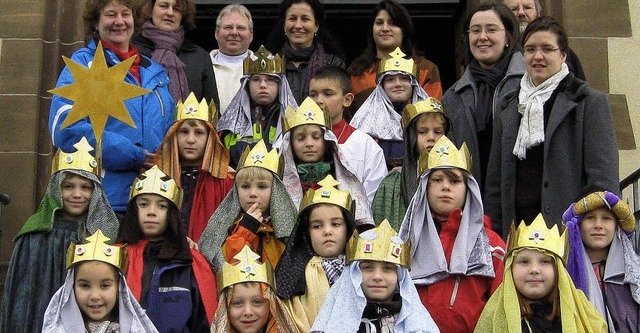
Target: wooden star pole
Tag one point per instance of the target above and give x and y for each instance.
(99, 92)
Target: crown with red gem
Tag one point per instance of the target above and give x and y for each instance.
(247, 268)
(96, 247)
(379, 244)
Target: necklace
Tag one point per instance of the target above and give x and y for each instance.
(342, 131)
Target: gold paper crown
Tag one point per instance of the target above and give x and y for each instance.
(265, 63)
(154, 181)
(97, 248)
(445, 154)
(260, 157)
(397, 62)
(191, 109)
(411, 111)
(379, 244)
(308, 113)
(328, 193)
(81, 159)
(247, 269)
(538, 235)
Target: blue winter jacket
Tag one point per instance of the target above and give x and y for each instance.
(123, 147)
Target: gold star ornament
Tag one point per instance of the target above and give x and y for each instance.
(99, 92)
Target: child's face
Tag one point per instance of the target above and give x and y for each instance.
(429, 129)
(248, 310)
(398, 87)
(445, 194)
(328, 93)
(152, 215)
(327, 230)
(96, 289)
(379, 280)
(308, 143)
(76, 195)
(263, 89)
(598, 228)
(252, 190)
(534, 274)
(192, 140)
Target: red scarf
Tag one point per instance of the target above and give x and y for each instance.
(135, 67)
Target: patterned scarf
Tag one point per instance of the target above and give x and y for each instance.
(333, 267)
(166, 54)
(314, 56)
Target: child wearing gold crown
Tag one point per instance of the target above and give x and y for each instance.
(257, 212)
(423, 124)
(602, 261)
(314, 257)
(375, 293)
(248, 302)
(74, 206)
(380, 114)
(256, 111)
(172, 282)
(456, 257)
(535, 278)
(95, 297)
(311, 152)
(193, 155)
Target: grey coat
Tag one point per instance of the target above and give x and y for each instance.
(459, 102)
(580, 154)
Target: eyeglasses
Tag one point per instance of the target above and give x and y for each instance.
(489, 30)
(530, 50)
(269, 80)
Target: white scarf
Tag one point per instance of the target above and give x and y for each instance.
(531, 106)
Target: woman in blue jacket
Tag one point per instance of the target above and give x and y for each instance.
(125, 150)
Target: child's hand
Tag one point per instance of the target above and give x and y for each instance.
(255, 212)
(192, 244)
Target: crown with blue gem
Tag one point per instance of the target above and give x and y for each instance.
(154, 181)
(328, 193)
(308, 113)
(81, 159)
(538, 235)
(247, 268)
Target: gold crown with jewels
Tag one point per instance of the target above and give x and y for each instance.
(307, 113)
(379, 244)
(81, 159)
(192, 109)
(247, 269)
(538, 235)
(154, 181)
(445, 154)
(97, 248)
(260, 157)
(430, 105)
(397, 62)
(263, 63)
(328, 193)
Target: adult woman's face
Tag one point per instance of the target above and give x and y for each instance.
(167, 15)
(386, 34)
(543, 56)
(487, 38)
(300, 25)
(115, 25)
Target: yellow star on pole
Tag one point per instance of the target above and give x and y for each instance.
(99, 92)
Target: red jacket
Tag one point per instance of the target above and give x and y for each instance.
(456, 302)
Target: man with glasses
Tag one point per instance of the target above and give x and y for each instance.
(527, 11)
(234, 33)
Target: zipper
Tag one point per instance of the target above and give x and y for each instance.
(160, 100)
(455, 292)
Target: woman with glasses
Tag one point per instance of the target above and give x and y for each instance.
(493, 68)
(554, 139)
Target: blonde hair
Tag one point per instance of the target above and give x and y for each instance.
(249, 173)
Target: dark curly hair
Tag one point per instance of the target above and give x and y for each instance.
(277, 38)
(93, 8)
(187, 8)
(402, 19)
